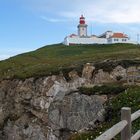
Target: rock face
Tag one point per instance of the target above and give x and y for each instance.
(74, 113)
(88, 71)
(102, 77)
(50, 108)
(119, 73)
(28, 108)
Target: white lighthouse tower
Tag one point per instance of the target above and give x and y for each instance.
(82, 27)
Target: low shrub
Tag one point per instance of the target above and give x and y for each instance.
(104, 89)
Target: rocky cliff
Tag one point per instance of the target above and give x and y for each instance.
(51, 108)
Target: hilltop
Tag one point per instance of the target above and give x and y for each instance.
(82, 97)
(52, 59)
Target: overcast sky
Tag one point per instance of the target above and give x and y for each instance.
(26, 25)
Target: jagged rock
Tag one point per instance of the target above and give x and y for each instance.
(132, 75)
(102, 98)
(15, 132)
(23, 129)
(41, 115)
(138, 68)
(73, 75)
(119, 73)
(56, 91)
(75, 112)
(88, 71)
(51, 135)
(131, 69)
(34, 133)
(102, 77)
(47, 85)
(73, 85)
(2, 116)
(40, 103)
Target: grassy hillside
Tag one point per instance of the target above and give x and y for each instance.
(53, 58)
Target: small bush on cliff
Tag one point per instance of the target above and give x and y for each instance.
(104, 89)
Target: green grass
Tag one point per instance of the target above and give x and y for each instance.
(53, 58)
(129, 98)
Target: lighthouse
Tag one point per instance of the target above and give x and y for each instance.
(108, 37)
(82, 27)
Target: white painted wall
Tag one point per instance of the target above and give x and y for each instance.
(94, 40)
(84, 40)
(82, 30)
(120, 40)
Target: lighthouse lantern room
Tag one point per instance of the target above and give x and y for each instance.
(82, 27)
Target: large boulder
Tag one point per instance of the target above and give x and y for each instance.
(118, 73)
(74, 113)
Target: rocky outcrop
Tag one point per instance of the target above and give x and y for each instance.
(102, 77)
(119, 73)
(73, 75)
(74, 113)
(88, 72)
(25, 105)
(50, 108)
(24, 128)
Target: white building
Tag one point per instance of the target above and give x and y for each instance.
(106, 38)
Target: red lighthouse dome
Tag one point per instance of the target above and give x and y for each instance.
(82, 20)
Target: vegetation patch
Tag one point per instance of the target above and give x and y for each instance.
(129, 98)
(109, 65)
(104, 89)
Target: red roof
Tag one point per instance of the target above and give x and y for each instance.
(119, 35)
(72, 35)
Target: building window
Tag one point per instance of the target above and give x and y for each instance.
(123, 39)
(116, 39)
